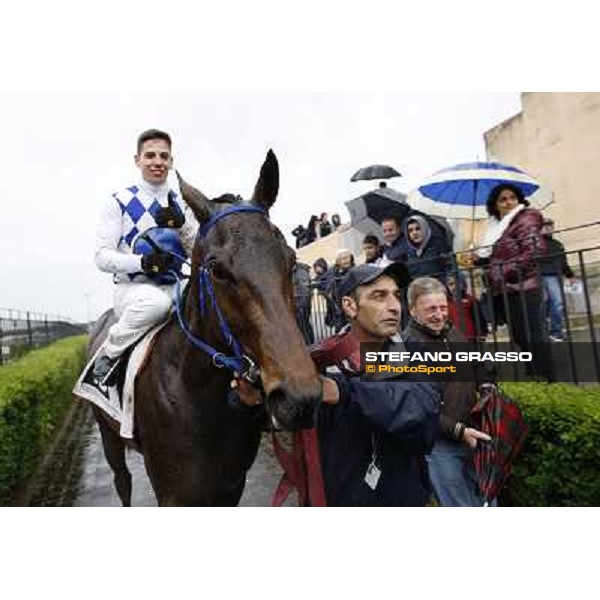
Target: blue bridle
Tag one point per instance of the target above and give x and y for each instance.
(236, 361)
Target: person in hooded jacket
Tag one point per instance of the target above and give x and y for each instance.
(425, 254)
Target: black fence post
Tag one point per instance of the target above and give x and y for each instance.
(29, 331)
(590, 317)
(567, 320)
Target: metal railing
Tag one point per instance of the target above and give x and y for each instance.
(502, 317)
(21, 331)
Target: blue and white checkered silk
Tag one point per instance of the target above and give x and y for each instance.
(138, 209)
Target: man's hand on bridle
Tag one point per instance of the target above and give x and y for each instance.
(247, 393)
(331, 392)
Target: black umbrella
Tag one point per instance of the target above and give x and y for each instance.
(368, 211)
(375, 172)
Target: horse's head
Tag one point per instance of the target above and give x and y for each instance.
(250, 267)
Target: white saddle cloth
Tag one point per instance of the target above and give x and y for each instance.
(108, 398)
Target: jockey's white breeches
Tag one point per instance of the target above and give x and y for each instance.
(138, 306)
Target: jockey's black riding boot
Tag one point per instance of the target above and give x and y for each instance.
(105, 369)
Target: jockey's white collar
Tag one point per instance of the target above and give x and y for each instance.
(154, 190)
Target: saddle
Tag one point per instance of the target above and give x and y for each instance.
(117, 399)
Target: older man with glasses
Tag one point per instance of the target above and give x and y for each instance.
(451, 467)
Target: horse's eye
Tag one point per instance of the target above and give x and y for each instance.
(217, 271)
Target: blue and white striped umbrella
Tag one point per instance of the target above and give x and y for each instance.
(461, 192)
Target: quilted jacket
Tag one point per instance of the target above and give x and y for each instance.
(514, 262)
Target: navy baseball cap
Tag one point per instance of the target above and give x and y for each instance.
(364, 274)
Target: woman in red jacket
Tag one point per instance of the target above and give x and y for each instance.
(511, 250)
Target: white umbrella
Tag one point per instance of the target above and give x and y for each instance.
(461, 191)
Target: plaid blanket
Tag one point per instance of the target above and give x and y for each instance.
(499, 417)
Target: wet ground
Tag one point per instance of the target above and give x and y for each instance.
(75, 472)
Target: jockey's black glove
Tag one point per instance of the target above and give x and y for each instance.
(157, 263)
(169, 217)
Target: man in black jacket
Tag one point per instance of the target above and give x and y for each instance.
(554, 267)
(374, 435)
(393, 248)
(451, 467)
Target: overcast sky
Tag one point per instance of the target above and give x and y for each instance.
(65, 153)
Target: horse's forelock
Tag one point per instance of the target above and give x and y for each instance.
(228, 199)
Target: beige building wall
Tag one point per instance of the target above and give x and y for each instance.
(556, 139)
(344, 237)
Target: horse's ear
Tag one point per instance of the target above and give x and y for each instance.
(195, 199)
(267, 186)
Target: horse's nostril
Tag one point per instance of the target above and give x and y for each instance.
(292, 412)
(277, 395)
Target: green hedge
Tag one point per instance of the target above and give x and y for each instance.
(35, 395)
(559, 465)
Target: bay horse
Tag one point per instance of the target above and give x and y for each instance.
(197, 447)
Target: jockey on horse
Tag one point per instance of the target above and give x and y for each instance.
(234, 320)
(132, 244)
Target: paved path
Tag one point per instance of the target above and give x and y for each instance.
(75, 473)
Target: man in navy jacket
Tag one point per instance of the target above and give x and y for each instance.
(393, 247)
(374, 435)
